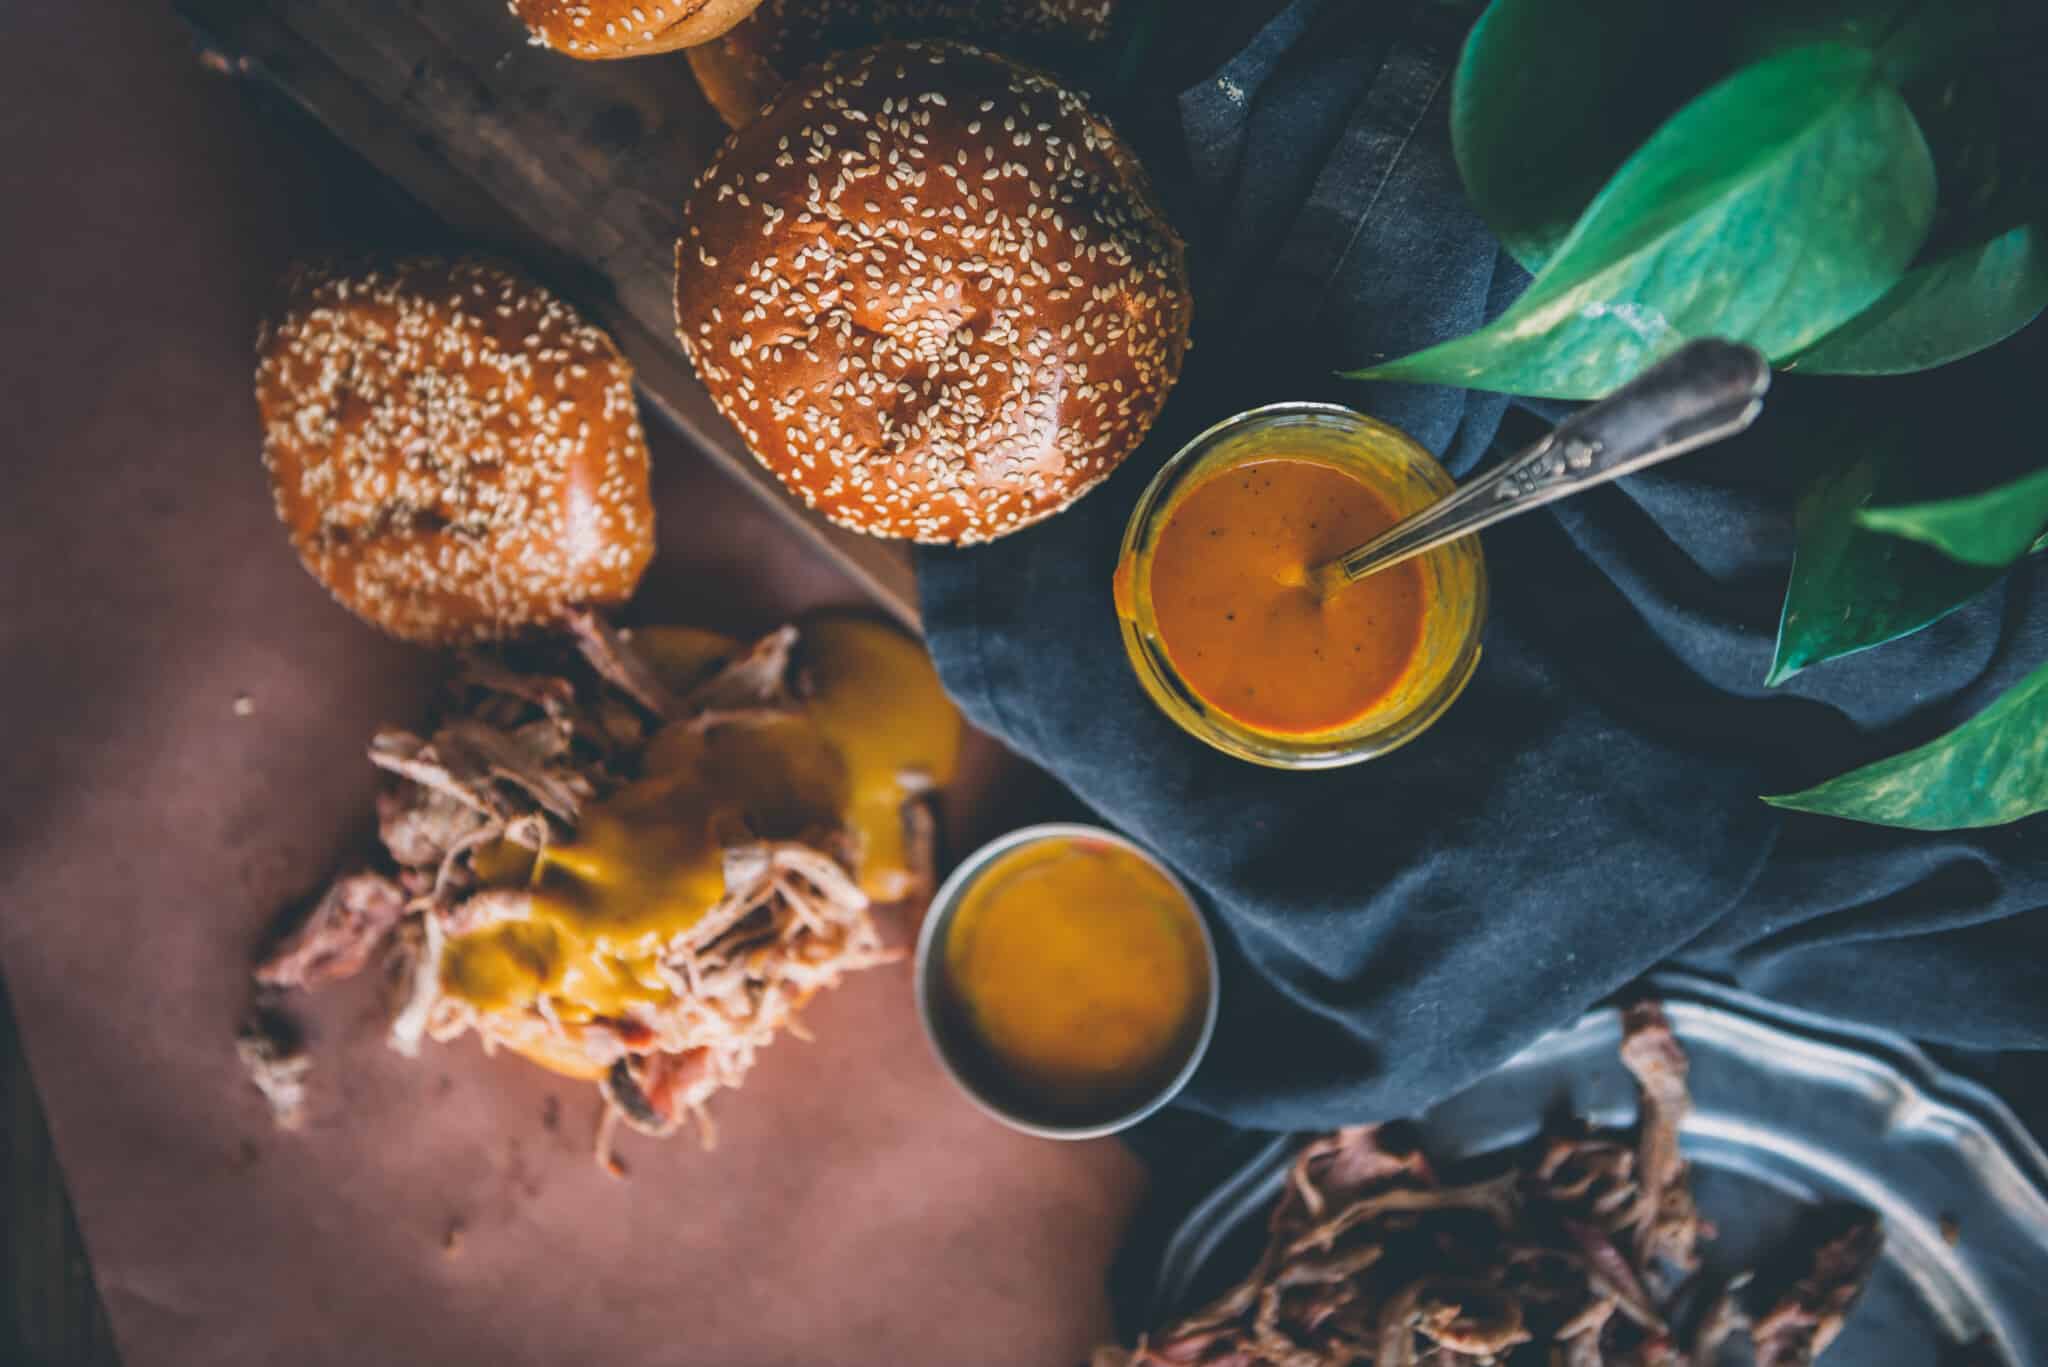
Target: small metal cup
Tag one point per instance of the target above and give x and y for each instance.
(952, 1037)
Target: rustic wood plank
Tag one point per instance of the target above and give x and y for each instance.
(577, 168)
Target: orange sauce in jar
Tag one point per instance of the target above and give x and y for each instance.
(1239, 618)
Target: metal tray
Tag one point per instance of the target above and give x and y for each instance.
(1791, 1111)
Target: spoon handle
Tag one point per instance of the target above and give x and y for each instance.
(1701, 393)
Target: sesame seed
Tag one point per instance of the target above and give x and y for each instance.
(425, 452)
(909, 408)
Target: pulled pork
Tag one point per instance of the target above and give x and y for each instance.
(1371, 1259)
(275, 1058)
(1667, 1225)
(1811, 1313)
(337, 938)
(514, 758)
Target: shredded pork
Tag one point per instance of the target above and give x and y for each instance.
(346, 927)
(514, 759)
(1808, 1316)
(1667, 1226)
(606, 651)
(276, 1061)
(1371, 1259)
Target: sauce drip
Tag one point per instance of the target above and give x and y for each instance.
(647, 862)
(645, 865)
(1240, 622)
(876, 700)
(1080, 969)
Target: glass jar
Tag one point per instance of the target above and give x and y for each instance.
(1407, 478)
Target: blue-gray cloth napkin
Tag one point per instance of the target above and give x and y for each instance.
(1589, 809)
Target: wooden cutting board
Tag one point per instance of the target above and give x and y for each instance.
(577, 169)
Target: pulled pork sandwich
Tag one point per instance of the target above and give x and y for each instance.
(1569, 1258)
(932, 291)
(744, 67)
(637, 866)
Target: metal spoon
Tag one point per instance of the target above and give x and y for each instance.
(1703, 392)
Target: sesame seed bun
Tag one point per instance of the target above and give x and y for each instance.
(456, 454)
(742, 69)
(933, 292)
(597, 29)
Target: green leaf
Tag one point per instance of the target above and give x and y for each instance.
(1948, 308)
(1983, 274)
(1773, 28)
(1852, 588)
(1993, 529)
(1990, 770)
(1551, 96)
(1733, 220)
(1912, 38)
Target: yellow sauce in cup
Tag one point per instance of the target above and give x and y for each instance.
(1081, 971)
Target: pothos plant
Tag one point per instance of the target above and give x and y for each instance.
(1837, 182)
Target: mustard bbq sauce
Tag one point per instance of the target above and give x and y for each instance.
(1239, 619)
(1081, 972)
(876, 700)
